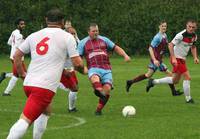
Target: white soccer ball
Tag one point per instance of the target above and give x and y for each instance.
(128, 111)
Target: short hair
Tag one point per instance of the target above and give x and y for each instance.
(162, 21)
(54, 15)
(191, 21)
(18, 20)
(92, 25)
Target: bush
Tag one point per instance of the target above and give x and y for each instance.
(131, 24)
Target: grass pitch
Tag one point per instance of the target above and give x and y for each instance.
(159, 114)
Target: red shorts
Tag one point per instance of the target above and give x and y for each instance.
(37, 102)
(70, 81)
(181, 66)
(14, 69)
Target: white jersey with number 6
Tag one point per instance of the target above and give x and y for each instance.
(49, 49)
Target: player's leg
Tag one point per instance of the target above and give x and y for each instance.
(37, 102)
(186, 87)
(107, 82)
(94, 76)
(5, 75)
(18, 130)
(10, 86)
(172, 86)
(102, 103)
(40, 123)
(13, 80)
(70, 83)
(72, 97)
(151, 69)
(166, 80)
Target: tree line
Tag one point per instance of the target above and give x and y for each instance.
(129, 23)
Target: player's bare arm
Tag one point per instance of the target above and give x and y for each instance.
(155, 61)
(18, 62)
(171, 50)
(194, 54)
(121, 52)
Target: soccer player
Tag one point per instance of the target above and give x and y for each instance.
(156, 49)
(179, 48)
(69, 79)
(16, 38)
(49, 48)
(95, 49)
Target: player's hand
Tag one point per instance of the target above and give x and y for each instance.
(196, 60)
(127, 58)
(174, 61)
(156, 62)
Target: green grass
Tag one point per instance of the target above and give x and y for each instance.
(159, 114)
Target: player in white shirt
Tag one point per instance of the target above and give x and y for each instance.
(49, 49)
(69, 81)
(16, 38)
(179, 48)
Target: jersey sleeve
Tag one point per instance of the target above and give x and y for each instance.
(156, 41)
(10, 40)
(109, 43)
(81, 46)
(71, 47)
(177, 39)
(25, 46)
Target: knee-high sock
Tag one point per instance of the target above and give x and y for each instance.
(186, 89)
(11, 84)
(138, 78)
(172, 87)
(72, 99)
(166, 80)
(9, 75)
(102, 103)
(39, 126)
(18, 129)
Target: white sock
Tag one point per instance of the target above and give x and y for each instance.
(72, 99)
(186, 89)
(61, 86)
(11, 84)
(39, 126)
(18, 129)
(166, 80)
(9, 75)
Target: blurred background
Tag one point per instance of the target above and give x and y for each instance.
(129, 23)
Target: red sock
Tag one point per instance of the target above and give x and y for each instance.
(97, 86)
(101, 103)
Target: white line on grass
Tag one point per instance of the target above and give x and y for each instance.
(79, 119)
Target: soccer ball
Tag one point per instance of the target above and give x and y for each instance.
(128, 111)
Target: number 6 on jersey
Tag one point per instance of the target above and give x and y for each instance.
(42, 47)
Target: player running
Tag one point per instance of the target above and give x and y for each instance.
(156, 49)
(179, 48)
(16, 38)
